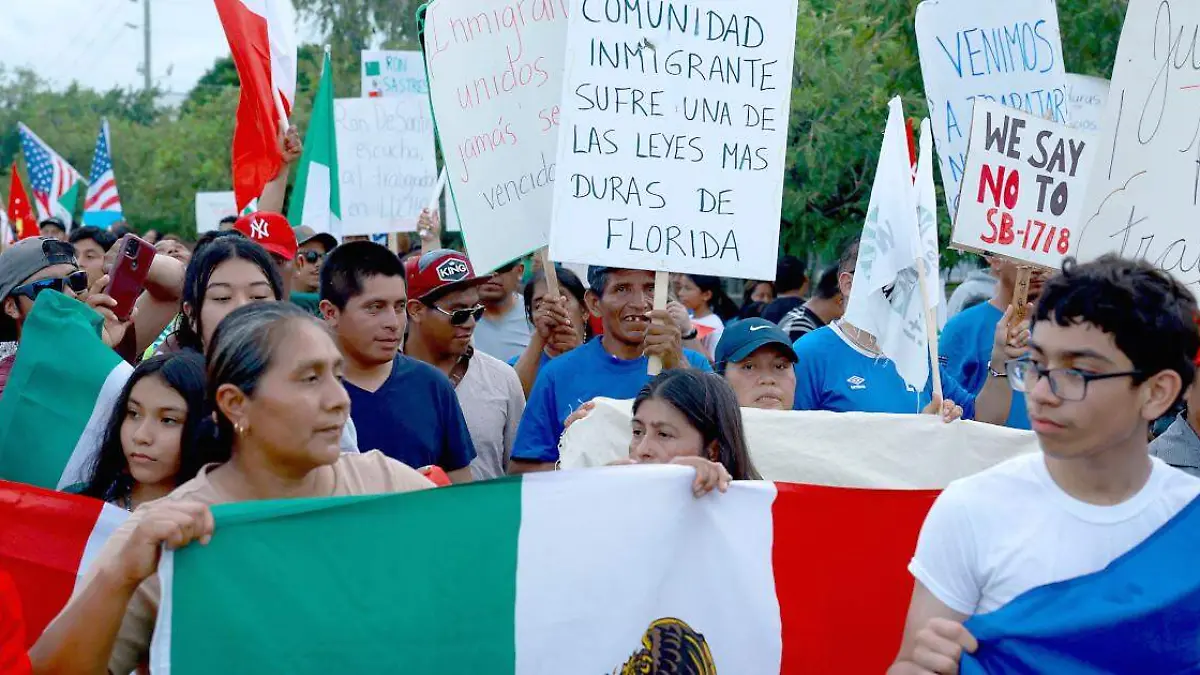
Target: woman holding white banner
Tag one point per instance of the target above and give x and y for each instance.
(691, 418)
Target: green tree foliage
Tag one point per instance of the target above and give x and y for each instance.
(851, 57)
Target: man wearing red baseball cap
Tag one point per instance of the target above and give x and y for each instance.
(443, 311)
(273, 232)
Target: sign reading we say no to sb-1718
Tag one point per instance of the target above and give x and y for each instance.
(674, 133)
(1023, 186)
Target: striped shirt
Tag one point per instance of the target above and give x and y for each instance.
(800, 322)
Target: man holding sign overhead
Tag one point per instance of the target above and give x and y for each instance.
(614, 365)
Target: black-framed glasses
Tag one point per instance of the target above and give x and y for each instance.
(77, 281)
(1067, 384)
(311, 257)
(460, 316)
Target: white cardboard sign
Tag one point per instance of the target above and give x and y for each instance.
(389, 72)
(1009, 52)
(386, 162)
(495, 82)
(674, 138)
(1089, 97)
(212, 207)
(1024, 186)
(1143, 199)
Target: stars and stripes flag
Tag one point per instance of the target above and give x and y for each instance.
(54, 181)
(102, 207)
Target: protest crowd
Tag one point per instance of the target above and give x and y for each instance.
(212, 427)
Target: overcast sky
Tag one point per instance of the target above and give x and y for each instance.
(90, 41)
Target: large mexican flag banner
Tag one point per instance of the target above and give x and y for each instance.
(612, 570)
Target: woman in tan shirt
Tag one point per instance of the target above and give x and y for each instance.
(274, 383)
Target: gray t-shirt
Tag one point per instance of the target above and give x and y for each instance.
(507, 337)
(492, 401)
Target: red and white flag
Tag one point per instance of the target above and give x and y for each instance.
(262, 38)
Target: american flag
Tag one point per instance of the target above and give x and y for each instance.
(50, 175)
(103, 206)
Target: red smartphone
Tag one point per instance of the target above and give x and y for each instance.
(128, 276)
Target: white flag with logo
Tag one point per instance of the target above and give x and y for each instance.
(885, 300)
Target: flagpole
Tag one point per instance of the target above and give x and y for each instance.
(280, 110)
(930, 331)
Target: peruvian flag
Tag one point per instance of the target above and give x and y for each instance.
(262, 39)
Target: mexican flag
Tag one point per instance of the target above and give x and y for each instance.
(610, 570)
(59, 395)
(316, 199)
(47, 541)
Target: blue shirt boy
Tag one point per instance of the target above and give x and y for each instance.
(571, 380)
(832, 375)
(966, 348)
(385, 419)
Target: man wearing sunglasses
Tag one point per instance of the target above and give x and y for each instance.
(403, 407)
(444, 311)
(306, 273)
(36, 265)
(504, 331)
(1112, 349)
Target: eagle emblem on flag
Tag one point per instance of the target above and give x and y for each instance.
(670, 647)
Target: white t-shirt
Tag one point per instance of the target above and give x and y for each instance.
(1004, 531)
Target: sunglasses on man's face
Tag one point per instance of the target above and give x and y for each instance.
(77, 281)
(459, 317)
(312, 257)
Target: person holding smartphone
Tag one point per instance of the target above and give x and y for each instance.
(36, 265)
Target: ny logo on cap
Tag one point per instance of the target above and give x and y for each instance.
(452, 269)
(258, 229)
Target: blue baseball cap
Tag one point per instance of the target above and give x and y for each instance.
(742, 338)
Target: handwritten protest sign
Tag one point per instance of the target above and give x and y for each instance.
(386, 162)
(674, 136)
(1009, 52)
(1089, 97)
(211, 207)
(393, 73)
(495, 82)
(1023, 187)
(1143, 198)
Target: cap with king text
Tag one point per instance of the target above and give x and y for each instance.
(439, 272)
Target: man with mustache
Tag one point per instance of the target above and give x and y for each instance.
(613, 365)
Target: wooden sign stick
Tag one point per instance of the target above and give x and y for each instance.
(1021, 292)
(661, 281)
(931, 335)
(550, 272)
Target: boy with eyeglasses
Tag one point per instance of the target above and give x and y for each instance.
(403, 407)
(1112, 349)
(444, 313)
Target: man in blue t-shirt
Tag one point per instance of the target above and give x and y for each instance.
(612, 365)
(402, 407)
(966, 344)
(841, 369)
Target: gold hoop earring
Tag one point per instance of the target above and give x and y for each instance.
(240, 428)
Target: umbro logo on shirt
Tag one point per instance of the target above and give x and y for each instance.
(856, 382)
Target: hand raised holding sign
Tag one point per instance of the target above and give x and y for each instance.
(663, 339)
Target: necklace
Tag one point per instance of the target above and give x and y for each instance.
(867, 343)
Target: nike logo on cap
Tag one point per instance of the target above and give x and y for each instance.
(754, 328)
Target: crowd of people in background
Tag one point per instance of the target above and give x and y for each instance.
(272, 361)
